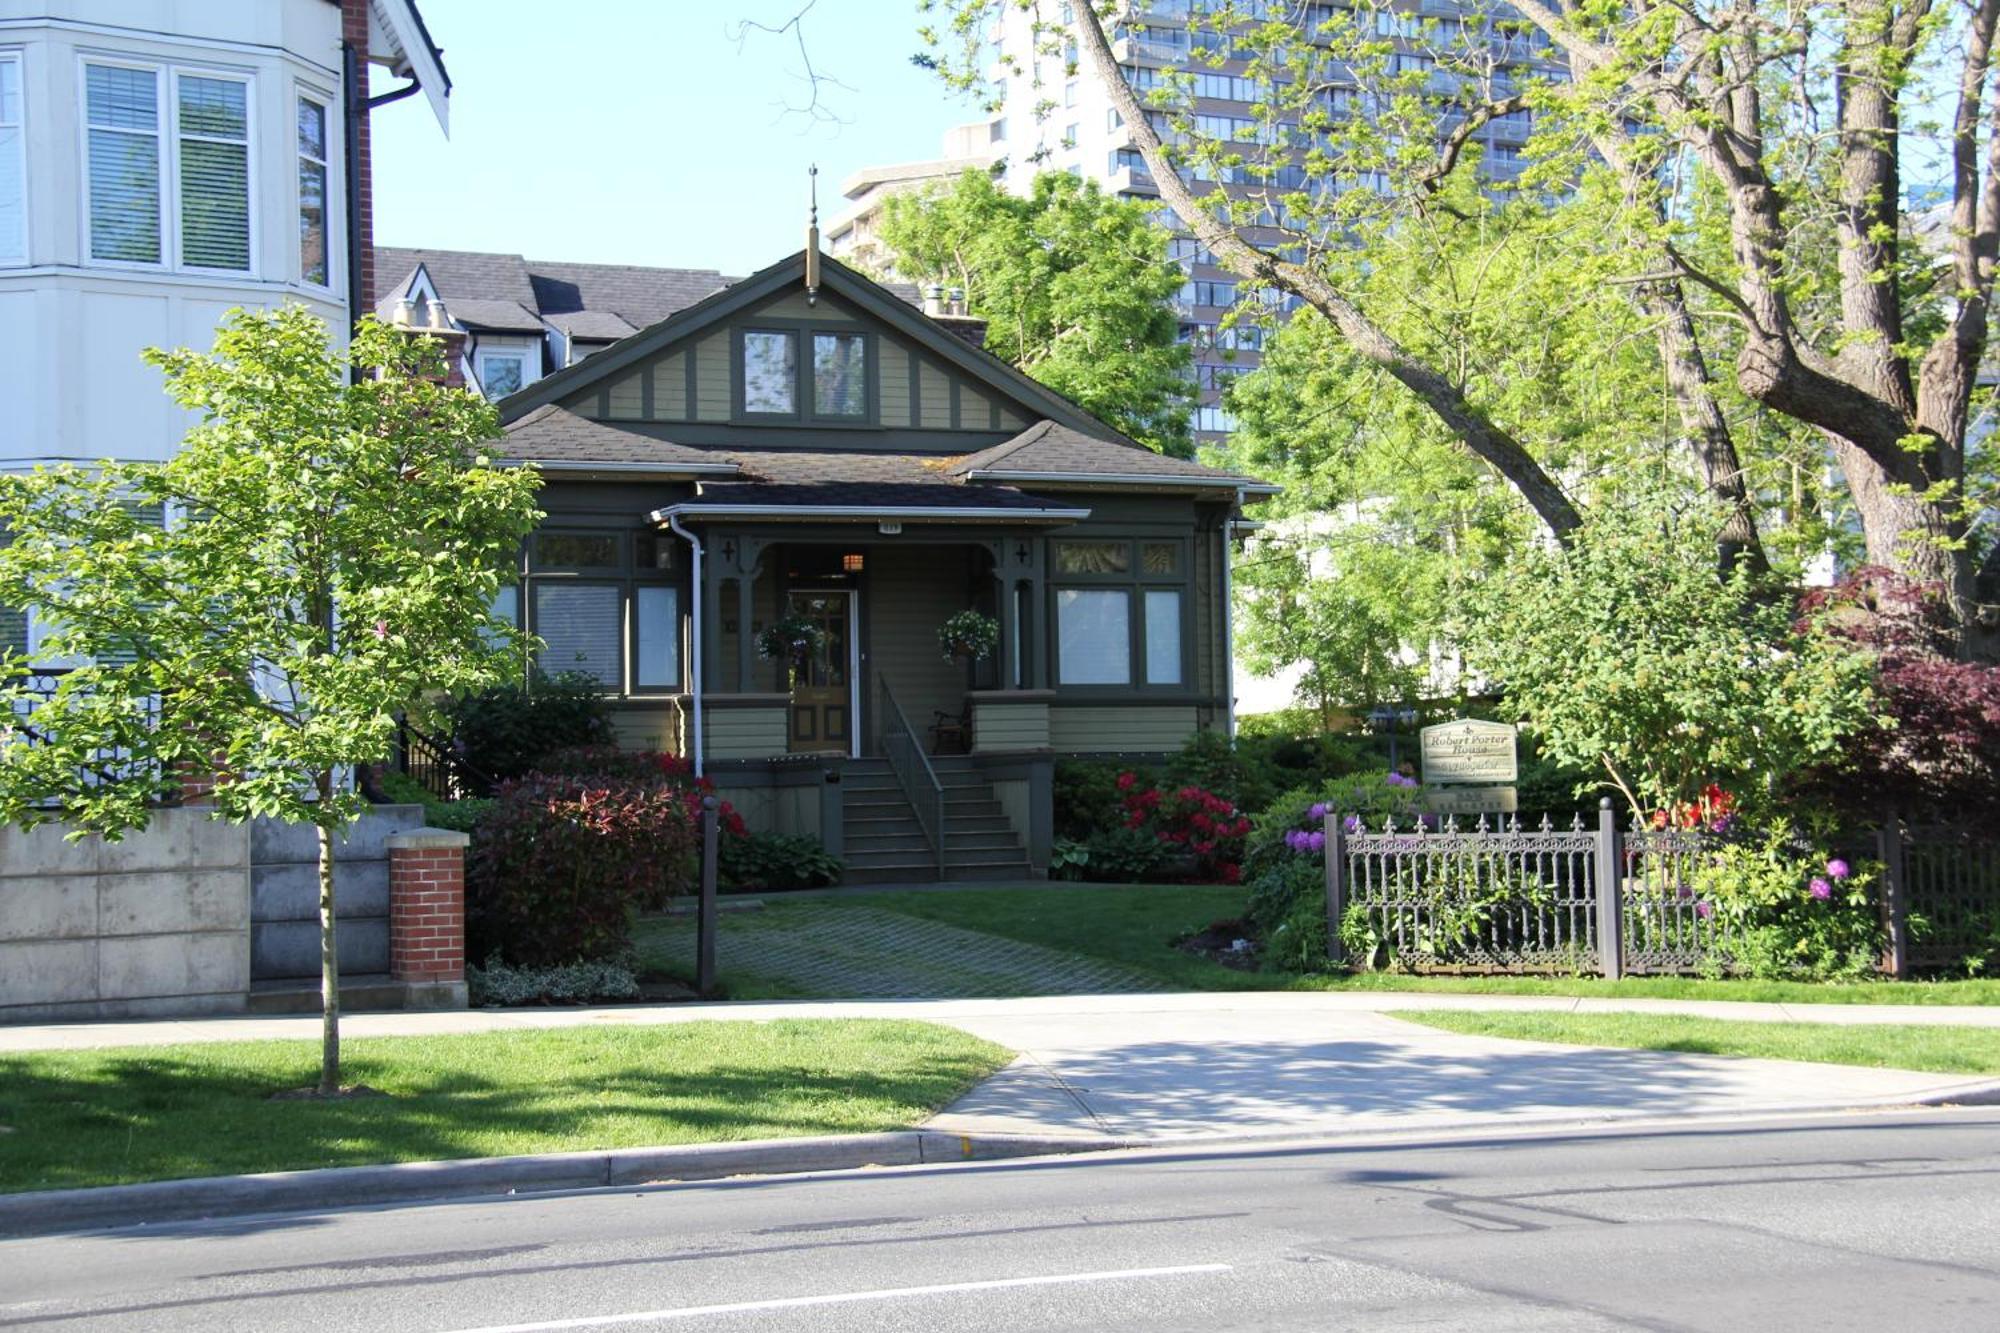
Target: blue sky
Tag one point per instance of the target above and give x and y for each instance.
(637, 131)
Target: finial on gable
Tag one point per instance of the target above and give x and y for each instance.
(812, 235)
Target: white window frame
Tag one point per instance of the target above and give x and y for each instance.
(305, 92)
(484, 354)
(13, 55)
(166, 129)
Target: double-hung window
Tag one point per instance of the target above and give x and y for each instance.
(1121, 612)
(13, 162)
(820, 376)
(313, 262)
(167, 167)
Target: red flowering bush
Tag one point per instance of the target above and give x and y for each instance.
(563, 860)
(1190, 821)
(1941, 752)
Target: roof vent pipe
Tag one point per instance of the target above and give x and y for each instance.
(956, 301)
(934, 300)
(439, 319)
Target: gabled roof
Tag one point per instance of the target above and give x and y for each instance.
(872, 298)
(638, 296)
(1048, 453)
(494, 316)
(398, 38)
(557, 440)
(591, 325)
(456, 275)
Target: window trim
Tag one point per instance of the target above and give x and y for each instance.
(167, 135)
(1135, 583)
(480, 354)
(534, 584)
(628, 576)
(18, 58)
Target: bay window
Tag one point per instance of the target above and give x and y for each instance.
(162, 190)
(13, 162)
(312, 153)
(1120, 612)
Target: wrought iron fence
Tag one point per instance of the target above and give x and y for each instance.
(106, 764)
(1499, 897)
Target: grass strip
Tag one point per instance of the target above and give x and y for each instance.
(104, 1117)
(1938, 1049)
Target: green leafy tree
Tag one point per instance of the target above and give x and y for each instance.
(331, 549)
(1623, 651)
(1074, 285)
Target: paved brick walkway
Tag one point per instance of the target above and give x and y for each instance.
(842, 950)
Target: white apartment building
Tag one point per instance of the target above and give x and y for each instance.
(162, 161)
(852, 235)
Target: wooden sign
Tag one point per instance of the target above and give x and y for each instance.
(1472, 800)
(1469, 753)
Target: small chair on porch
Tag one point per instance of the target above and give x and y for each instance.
(953, 730)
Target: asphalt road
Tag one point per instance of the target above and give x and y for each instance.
(1880, 1221)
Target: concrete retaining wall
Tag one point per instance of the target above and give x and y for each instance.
(284, 894)
(155, 923)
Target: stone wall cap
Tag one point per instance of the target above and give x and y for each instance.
(425, 839)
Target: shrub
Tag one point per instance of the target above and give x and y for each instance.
(768, 861)
(507, 731)
(1788, 912)
(1193, 822)
(608, 761)
(559, 865)
(1069, 859)
(1125, 856)
(1087, 798)
(459, 816)
(570, 983)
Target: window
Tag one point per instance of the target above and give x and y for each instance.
(832, 383)
(770, 373)
(581, 627)
(840, 375)
(657, 656)
(160, 191)
(578, 550)
(13, 163)
(1093, 557)
(122, 116)
(1093, 636)
(312, 192)
(213, 124)
(1163, 636)
(502, 372)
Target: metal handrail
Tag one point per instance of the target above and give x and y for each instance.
(914, 773)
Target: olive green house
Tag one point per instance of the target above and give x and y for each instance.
(824, 453)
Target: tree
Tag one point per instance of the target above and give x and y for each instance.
(328, 558)
(1847, 311)
(1623, 651)
(1074, 285)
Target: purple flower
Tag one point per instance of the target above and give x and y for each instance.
(1428, 821)
(1316, 841)
(1398, 780)
(1353, 823)
(1298, 840)
(1704, 910)
(1722, 823)
(1838, 869)
(1318, 812)
(1820, 889)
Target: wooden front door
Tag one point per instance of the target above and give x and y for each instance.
(823, 689)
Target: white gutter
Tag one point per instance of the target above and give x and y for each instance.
(695, 509)
(694, 641)
(1127, 479)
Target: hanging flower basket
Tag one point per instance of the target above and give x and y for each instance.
(969, 634)
(793, 639)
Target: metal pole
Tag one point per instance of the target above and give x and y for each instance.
(1610, 895)
(704, 961)
(1336, 886)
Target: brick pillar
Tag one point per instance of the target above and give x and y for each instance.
(354, 33)
(427, 917)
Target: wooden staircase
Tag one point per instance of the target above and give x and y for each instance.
(886, 845)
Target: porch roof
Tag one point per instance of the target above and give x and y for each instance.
(1048, 453)
(555, 439)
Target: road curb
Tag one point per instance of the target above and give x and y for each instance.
(44, 1212)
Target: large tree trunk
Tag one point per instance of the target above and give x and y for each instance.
(329, 958)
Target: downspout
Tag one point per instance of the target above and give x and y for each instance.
(354, 105)
(694, 641)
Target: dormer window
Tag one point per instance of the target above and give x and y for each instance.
(832, 384)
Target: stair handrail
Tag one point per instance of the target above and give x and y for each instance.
(913, 771)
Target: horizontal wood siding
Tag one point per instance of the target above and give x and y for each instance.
(1089, 728)
(975, 410)
(651, 727)
(745, 733)
(895, 381)
(934, 388)
(910, 591)
(1010, 420)
(792, 305)
(670, 395)
(628, 398)
(1010, 727)
(712, 394)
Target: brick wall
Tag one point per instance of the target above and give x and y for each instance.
(354, 33)
(427, 907)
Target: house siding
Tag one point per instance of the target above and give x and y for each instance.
(712, 395)
(626, 398)
(909, 593)
(670, 396)
(894, 378)
(934, 397)
(1089, 729)
(793, 305)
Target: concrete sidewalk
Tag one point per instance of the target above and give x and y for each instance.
(1088, 1011)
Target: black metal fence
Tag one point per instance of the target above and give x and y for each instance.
(1500, 897)
(28, 726)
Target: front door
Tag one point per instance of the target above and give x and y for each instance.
(823, 688)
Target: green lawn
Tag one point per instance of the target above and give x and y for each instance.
(1945, 1050)
(1137, 924)
(157, 1113)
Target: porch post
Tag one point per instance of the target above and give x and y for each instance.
(745, 599)
(1003, 607)
(711, 628)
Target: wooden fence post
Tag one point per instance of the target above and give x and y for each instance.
(1336, 886)
(1895, 897)
(704, 961)
(1610, 895)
